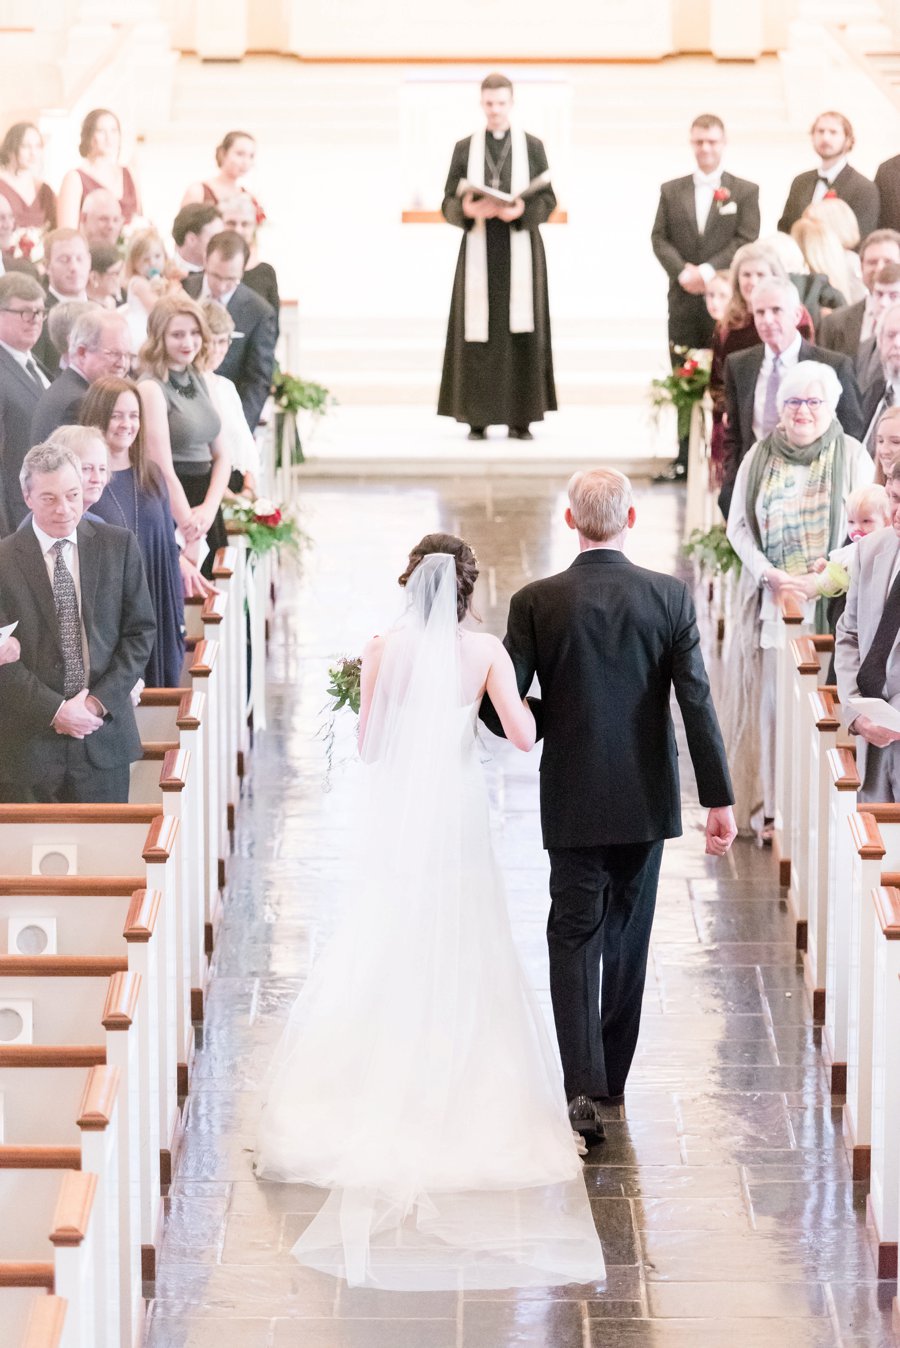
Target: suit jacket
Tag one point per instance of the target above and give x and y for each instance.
(251, 355)
(841, 330)
(43, 349)
(870, 580)
(887, 180)
(741, 373)
(608, 641)
(120, 626)
(59, 405)
(859, 192)
(19, 395)
(676, 239)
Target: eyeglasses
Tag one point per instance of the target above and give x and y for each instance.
(812, 403)
(30, 315)
(121, 357)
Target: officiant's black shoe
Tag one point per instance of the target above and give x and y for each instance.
(618, 1099)
(519, 433)
(584, 1117)
(477, 433)
(676, 472)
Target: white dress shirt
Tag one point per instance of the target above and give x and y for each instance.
(70, 557)
(183, 262)
(22, 358)
(789, 358)
(66, 299)
(224, 300)
(830, 174)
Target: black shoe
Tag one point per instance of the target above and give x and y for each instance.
(585, 1119)
(477, 433)
(676, 472)
(618, 1099)
(519, 433)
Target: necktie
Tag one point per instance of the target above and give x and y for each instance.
(873, 671)
(32, 369)
(770, 406)
(66, 601)
(887, 401)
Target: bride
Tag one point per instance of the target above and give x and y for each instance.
(415, 1080)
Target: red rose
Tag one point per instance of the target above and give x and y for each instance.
(270, 520)
(689, 366)
(681, 371)
(26, 246)
(721, 194)
(830, 195)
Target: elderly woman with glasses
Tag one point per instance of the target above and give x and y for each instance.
(788, 510)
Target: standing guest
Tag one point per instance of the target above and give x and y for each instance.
(239, 214)
(884, 391)
(839, 218)
(22, 382)
(86, 629)
(101, 218)
(824, 256)
(21, 178)
(145, 280)
(67, 259)
(100, 147)
(104, 284)
(192, 230)
(61, 319)
(237, 435)
(251, 355)
(12, 254)
(182, 429)
(90, 450)
(753, 377)
(98, 345)
(498, 362)
(817, 294)
(235, 157)
(866, 651)
(717, 295)
(609, 641)
(887, 445)
(832, 140)
(701, 221)
(789, 509)
(887, 180)
(846, 329)
(885, 293)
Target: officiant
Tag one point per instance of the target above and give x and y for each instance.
(498, 365)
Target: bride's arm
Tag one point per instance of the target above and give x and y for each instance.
(371, 663)
(514, 713)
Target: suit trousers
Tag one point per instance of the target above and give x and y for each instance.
(602, 901)
(70, 778)
(882, 779)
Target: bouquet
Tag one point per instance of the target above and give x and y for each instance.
(344, 684)
(28, 243)
(265, 524)
(292, 395)
(684, 387)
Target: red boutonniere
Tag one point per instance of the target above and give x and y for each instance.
(830, 195)
(721, 195)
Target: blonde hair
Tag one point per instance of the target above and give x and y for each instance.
(600, 500)
(838, 216)
(139, 249)
(152, 356)
(738, 315)
(889, 414)
(78, 438)
(872, 495)
(823, 253)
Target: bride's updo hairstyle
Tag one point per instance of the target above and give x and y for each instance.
(466, 566)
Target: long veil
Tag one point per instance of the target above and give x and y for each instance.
(415, 1079)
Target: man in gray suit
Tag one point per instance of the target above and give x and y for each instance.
(867, 656)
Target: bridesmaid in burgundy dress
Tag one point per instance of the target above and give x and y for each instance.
(99, 147)
(21, 167)
(235, 158)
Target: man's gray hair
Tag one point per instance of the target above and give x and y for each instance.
(62, 318)
(87, 331)
(806, 372)
(882, 319)
(46, 458)
(600, 500)
(784, 286)
(18, 285)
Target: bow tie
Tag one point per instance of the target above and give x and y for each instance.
(822, 179)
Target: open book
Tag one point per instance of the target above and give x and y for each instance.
(503, 198)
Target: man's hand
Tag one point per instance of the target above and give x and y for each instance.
(873, 734)
(75, 717)
(192, 581)
(721, 830)
(513, 212)
(10, 651)
(691, 279)
(478, 208)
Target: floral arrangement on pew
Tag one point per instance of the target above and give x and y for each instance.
(344, 691)
(292, 395)
(265, 525)
(715, 560)
(684, 387)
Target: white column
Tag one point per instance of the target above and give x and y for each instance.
(221, 30)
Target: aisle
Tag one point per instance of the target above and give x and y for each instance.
(722, 1195)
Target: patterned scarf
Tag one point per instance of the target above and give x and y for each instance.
(792, 540)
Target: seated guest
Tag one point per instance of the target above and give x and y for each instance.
(98, 345)
(104, 285)
(239, 214)
(753, 377)
(86, 629)
(192, 230)
(61, 319)
(824, 256)
(100, 149)
(846, 329)
(101, 219)
(182, 429)
(832, 139)
(235, 157)
(21, 178)
(867, 657)
(67, 259)
(251, 355)
(236, 433)
(22, 382)
(884, 391)
(788, 510)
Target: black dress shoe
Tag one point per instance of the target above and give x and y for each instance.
(520, 433)
(618, 1099)
(676, 472)
(585, 1119)
(477, 433)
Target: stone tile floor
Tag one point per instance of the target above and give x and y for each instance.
(722, 1194)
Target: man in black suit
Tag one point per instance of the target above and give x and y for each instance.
(22, 382)
(251, 355)
(752, 377)
(846, 329)
(68, 262)
(832, 139)
(887, 180)
(884, 390)
(86, 627)
(608, 641)
(701, 221)
(99, 344)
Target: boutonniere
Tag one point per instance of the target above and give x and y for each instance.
(721, 195)
(830, 195)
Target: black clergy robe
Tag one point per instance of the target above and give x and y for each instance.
(507, 380)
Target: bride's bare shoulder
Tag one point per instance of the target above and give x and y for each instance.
(373, 648)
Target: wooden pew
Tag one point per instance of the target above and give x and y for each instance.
(845, 785)
(805, 676)
(884, 1186)
(826, 735)
(204, 620)
(201, 674)
(793, 622)
(32, 1318)
(228, 574)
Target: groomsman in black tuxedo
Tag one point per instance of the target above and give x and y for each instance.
(701, 222)
(22, 382)
(609, 641)
(832, 139)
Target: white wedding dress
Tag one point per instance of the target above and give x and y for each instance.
(415, 1079)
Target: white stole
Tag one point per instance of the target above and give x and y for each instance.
(521, 288)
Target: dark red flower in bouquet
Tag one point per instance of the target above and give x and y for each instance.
(721, 195)
(688, 368)
(26, 246)
(271, 520)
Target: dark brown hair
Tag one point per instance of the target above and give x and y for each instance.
(228, 140)
(89, 126)
(97, 410)
(496, 81)
(229, 245)
(707, 121)
(12, 142)
(466, 566)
